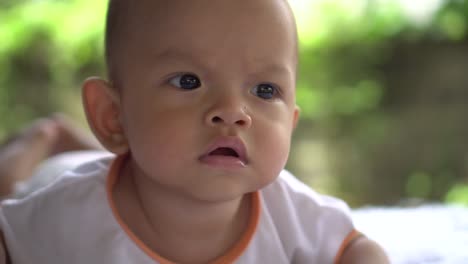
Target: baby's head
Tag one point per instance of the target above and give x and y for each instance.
(132, 21)
(201, 93)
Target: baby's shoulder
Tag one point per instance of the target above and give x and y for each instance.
(297, 209)
(309, 225)
(288, 191)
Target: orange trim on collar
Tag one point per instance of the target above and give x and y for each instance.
(230, 256)
(349, 239)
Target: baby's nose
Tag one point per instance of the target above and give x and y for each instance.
(229, 115)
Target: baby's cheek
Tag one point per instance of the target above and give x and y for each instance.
(274, 153)
(157, 161)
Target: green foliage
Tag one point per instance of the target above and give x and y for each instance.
(419, 185)
(343, 90)
(47, 49)
(451, 22)
(458, 195)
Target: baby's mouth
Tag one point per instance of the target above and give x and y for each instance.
(229, 152)
(226, 152)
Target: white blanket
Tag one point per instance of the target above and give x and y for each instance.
(426, 234)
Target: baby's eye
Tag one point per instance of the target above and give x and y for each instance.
(186, 81)
(265, 91)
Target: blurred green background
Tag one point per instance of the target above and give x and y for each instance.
(383, 88)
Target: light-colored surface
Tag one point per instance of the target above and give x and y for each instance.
(427, 234)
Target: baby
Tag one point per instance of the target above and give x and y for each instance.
(199, 110)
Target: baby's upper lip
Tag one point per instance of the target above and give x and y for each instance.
(232, 142)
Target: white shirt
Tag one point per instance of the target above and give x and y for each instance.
(74, 220)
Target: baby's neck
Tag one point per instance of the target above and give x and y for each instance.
(179, 229)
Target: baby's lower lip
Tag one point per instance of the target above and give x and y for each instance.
(227, 162)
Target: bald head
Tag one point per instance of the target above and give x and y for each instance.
(129, 21)
(117, 15)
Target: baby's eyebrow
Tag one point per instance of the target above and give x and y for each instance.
(174, 54)
(187, 58)
(170, 54)
(257, 66)
(277, 69)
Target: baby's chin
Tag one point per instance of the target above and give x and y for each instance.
(220, 193)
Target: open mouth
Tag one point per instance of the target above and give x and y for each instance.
(226, 152)
(229, 152)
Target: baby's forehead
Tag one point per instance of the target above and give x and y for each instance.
(162, 10)
(199, 26)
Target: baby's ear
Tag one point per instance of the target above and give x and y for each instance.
(102, 107)
(297, 111)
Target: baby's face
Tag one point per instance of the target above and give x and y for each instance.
(208, 94)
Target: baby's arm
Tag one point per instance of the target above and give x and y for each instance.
(364, 251)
